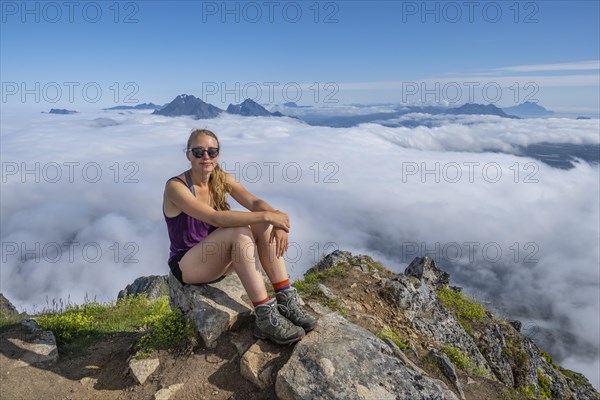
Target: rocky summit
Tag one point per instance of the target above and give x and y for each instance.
(380, 335)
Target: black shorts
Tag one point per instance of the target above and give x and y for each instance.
(174, 266)
(176, 270)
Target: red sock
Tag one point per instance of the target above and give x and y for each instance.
(283, 285)
(263, 301)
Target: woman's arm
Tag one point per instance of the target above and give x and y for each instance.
(253, 203)
(183, 199)
(245, 198)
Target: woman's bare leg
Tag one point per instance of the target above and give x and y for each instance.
(223, 249)
(273, 266)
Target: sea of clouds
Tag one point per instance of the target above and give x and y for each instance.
(82, 195)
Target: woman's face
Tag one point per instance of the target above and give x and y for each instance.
(205, 164)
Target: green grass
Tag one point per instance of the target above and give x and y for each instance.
(579, 379)
(458, 358)
(387, 333)
(7, 321)
(79, 326)
(549, 360)
(464, 308)
(307, 287)
(463, 361)
(544, 384)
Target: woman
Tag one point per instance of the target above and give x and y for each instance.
(208, 240)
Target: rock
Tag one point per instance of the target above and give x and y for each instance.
(256, 364)
(6, 307)
(213, 308)
(142, 369)
(166, 393)
(88, 382)
(37, 347)
(447, 369)
(326, 291)
(334, 258)
(421, 307)
(400, 354)
(516, 324)
(241, 342)
(31, 324)
(492, 345)
(424, 268)
(154, 286)
(318, 308)
(340, 360)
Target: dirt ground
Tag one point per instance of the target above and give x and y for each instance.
(102, 371)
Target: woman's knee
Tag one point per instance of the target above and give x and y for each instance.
(240, 234)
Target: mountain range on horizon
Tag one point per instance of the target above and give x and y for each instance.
(195, 107)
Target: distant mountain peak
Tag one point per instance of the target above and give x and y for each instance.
(186, 104)
(479, 109)
(528, 109)
(250, 108)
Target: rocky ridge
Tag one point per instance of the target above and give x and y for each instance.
(380, 335)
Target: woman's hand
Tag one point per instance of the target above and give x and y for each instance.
(281, 241)
(279, 220)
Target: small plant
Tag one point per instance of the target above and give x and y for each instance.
(167, 330)
(544, 384)
(463, 361)
(463, 306)
(549, 360)
(387, 333)
(308, 287)
(458, 358)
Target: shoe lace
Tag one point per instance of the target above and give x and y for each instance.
(292, 305)
(275, 318)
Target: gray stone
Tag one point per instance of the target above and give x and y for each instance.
(334, 258)
(256, 364)
(405, 360)
(340, 360)
(166, 393)
(38, 347)
(491, 345)
(213, 308)
(421, 307)
(447, 369)
(424, 268)
(31, 324)
(154, 286)
(326, 291)
(142, 369)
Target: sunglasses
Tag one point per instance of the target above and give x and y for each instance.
(198, 152)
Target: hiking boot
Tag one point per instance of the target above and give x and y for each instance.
(270, 324)
(289, 306)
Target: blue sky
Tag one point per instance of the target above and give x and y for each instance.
(368, 50)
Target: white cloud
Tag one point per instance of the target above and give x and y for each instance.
(592, 65)
(388, 192)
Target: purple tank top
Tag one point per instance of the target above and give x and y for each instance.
(185, 231)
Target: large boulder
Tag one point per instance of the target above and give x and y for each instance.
(340, 360)
(214, 307)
